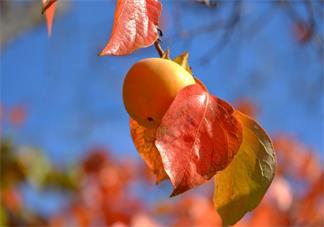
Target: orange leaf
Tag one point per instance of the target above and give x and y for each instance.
(135, 26)
(49, 7)
(144, 139)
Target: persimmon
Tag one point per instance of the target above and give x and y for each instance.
(149, 88)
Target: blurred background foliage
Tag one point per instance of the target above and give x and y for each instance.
(67, 158)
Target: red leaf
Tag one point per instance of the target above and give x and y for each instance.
(49, 7)
(198, 136)
(135, 26)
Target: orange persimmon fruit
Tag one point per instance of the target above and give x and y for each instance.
(149, 88)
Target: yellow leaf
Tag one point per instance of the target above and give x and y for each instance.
(144, 139)
(182, 60)
(166, 54)
(241, 186)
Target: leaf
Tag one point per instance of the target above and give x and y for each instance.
(182, 60)
(166, 54)
(144, 139)
(240, 187)
(49, 7)
(198, 136)
(135, 26)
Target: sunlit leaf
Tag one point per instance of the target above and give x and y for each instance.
(144, 139)
(241, 186)
(166, 54)
(49, 7)
(135, 26)
(198, 136)
(182, 60)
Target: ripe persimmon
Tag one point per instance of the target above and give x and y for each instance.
(149, 88)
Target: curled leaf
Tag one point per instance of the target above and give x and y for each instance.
(135, 26)
(240, 187)
(144, 139)
(198, 136)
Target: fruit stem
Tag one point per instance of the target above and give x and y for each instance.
(158, 47)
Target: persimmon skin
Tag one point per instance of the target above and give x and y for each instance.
(149, 88)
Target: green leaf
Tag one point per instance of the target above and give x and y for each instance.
(241, 186)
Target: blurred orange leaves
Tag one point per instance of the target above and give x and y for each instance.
(302, 161)
(104, 196)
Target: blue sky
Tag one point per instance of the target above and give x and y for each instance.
(73, 97)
